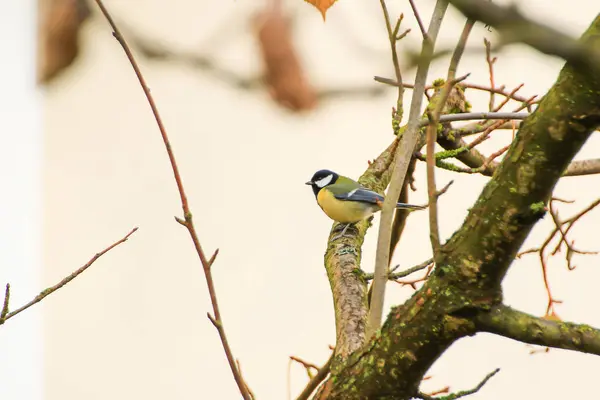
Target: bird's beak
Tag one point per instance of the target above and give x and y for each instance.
(308, 183)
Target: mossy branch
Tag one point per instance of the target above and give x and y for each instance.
(508, 322)
(465, 283)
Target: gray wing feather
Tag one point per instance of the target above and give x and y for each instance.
(362, 195)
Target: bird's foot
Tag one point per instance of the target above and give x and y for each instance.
(343, 233)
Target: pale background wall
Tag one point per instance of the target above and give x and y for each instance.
(20, 200)
(134, 326)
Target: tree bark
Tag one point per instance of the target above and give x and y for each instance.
(463, 294)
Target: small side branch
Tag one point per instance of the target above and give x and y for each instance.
(561, 229)
(508, 322)
(6, 315)
(462, 393)
(434, 119)
(316, 380)
(394, 37)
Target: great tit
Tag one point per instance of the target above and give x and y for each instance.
(345, 200)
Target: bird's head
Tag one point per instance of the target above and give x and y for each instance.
(321, 179)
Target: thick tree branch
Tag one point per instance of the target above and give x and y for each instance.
(467, 279)
(514, 27)
(508, 322)
(513, 201)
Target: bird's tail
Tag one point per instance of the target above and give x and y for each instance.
(405, 206)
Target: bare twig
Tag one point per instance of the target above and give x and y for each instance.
(562, 232)
(5, 315)
(250, 392)
(490, 62)
(308, 366)
(463, 393)
(316, 380)
(403, 158)
(445, 389)
(413, 282)
(465, 85)
(440, 102)
(393, 275)
(418, 18)
(6, 303)
(507, 98)
(393, 39)
(187, 221)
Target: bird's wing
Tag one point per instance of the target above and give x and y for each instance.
(357, 194)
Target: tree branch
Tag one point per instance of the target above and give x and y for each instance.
(403, 158)
(508, 322)
(393, 39)
(316, 380)
(187, 221)
(514, 27)
(544, 146)
(434, 118)
(6, 315)
(462, 393)
(467, 280)
(342, 261)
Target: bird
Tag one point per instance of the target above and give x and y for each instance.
(347, 201)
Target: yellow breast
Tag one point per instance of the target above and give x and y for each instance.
(345, 212)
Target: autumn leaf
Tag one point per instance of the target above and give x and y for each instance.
(322, 5)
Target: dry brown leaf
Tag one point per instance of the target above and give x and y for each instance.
(58, 30)
(283, 73)
(322, 5)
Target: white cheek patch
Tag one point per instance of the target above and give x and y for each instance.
(324, 181)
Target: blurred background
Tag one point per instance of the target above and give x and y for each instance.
(256, 96)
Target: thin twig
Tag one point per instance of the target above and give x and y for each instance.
(463, 393)
(418, 18)
(316, 380)
(393, 275)
(46, 292)
(507, 98)
(403, 158)
(541, 251)
(307, 365)
(490, 62)
(434, 233)
(6, 303)
(413, 283)
(188, 222)
(465, 85)
(250, 392)
(393, 38)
